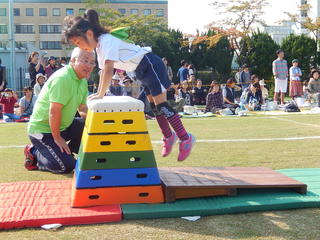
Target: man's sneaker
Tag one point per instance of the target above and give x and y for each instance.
(185, 147)
(168, 144)
(30, 160)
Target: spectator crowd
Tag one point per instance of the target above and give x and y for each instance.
(244, 92)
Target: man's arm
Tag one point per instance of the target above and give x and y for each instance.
(54, 121)
(274, 69)
(83, 109)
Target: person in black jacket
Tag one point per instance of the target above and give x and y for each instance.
(3, 82)
(36, 65)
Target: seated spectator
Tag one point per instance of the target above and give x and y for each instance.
(214, 98)
(127, 89)
(314, 86)
(63, 62)
(51, 67)
(116, 89)
(122, 75)
(8, 100)
(136, 87)
(254, 79)
(173, 98)
(264, 90)
(228, 93)
(252, 97)
(306, 93)
(199, 93)
(192, 81)
(40, 79)
(27, 102)
(185, 94)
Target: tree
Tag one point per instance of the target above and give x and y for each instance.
(306, 22)
(146, 31)
(242, 16)
(218, 57)
(261, 49)
(301, 47)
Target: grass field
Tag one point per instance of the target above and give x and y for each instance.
(234, 146)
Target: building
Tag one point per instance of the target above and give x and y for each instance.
(280, 32)
(312, 10)
(38, 23)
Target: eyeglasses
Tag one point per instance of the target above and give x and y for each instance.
(85, 61)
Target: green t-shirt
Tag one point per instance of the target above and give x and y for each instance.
(63, 87)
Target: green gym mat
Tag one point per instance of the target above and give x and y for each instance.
(245, 201)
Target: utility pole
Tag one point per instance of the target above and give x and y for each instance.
(12, 47)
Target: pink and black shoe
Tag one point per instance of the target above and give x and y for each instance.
(168, 144)
(185, 147)
(30, 160)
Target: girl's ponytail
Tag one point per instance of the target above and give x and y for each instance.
(78, 26)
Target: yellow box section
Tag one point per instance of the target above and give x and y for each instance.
(95, 122)
(116, 142)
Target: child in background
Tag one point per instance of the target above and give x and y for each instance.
(199, 93)
(8, 100)
(127, 88)
(185, 94)
(295, 89)
(214, 98)
(116, 89)
(40, 79)
(113, 52)
(264, 90)
(306, 93)
(173, 98)
(27, 102)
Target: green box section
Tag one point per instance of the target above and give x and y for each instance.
(115, 160)
(245, 201)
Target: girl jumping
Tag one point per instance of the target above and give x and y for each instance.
(112, 52)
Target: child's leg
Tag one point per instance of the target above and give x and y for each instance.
(162, 121)
(172, 117)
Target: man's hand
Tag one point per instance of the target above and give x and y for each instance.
(62, 145)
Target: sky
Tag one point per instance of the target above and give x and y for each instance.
(188, 15)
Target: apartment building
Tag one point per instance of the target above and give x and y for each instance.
(38, 23)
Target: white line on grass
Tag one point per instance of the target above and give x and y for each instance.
(251, 139)
(296, 122)
(218, 140)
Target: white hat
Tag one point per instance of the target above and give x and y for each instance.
(40, 75)
(116, 77)
(262, 83)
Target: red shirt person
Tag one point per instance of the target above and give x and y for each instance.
(8, 100)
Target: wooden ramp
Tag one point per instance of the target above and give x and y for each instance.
(192, 182)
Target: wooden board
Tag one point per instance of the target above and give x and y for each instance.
(191, 182)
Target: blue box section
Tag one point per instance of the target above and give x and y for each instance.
(117, 177)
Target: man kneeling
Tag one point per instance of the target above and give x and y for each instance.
(53, 121)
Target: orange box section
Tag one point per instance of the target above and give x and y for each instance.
(116, 195)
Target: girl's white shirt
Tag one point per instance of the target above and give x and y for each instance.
(126, 56)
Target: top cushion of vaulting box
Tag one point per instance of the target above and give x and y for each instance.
(116, 104)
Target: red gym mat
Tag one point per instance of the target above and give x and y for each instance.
(33, 204)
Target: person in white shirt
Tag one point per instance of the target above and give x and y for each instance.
(112, 52)
(40, 79)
